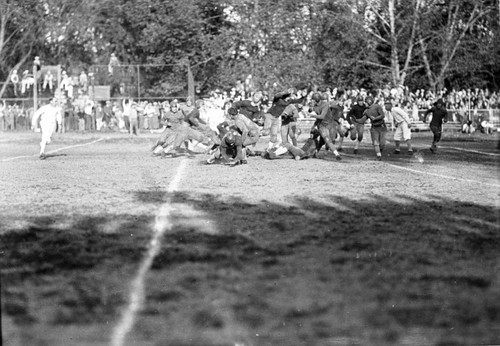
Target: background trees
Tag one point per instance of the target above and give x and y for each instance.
(363, 43)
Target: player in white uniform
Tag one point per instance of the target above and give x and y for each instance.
(47, 115)
(402, 122)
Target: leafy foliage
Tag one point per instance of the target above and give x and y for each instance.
(342, 43)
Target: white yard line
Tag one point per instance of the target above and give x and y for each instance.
(52, 151)
(136, 298)
(471, 151)
(443, 176)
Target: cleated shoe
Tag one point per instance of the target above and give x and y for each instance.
(397, 152)
(42, 156)
(250, 152)
(176, 152)
(338, 157)
(272, 155)
(410, 152)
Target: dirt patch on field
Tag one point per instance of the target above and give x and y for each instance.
(314, 252)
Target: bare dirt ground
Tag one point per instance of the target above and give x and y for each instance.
(314, 252)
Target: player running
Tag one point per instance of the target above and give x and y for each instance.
(439, 115)
(378, 131)
(357, 119)
(47, 115)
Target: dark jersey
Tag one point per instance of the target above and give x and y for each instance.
(356, 114)
(193, 118)
(438, 116)
(232, 150)
(279, 105)
(248, 109)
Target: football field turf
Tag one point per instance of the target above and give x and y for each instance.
(103, 244)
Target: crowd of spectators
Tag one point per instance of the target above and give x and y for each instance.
(81, 113)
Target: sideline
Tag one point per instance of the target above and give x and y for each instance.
(52, 151)
(136, 299)
(443, 176)
(470, 151)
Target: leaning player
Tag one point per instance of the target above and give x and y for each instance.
(172, 119)
(193, 128)
(231, 148)
(47, 115)
(289, 123)
(272, 118)
(326, 122)
(439, 115)
(249, 130)
(251, 108)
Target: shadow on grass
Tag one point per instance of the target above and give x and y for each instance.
(382, 271)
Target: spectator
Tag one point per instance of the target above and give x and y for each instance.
(485, 126)
(468, 128)
(3, 109)
(48, 80)
(89, 116)
(83, 82)
(107, 111)
(10, 118)
(133, 119)
(113, 62)
(14, 78)
(99, 115)
(127, 105)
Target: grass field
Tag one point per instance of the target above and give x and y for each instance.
(102, 244)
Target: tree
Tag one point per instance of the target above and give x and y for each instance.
(343, 49)
(69, 35)
(446, 31)
(173, 33)
(393, 25)
(269, 40)
(18, 35)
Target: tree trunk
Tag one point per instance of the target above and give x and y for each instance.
(396, 74)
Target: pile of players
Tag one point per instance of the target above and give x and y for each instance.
(230, 139)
